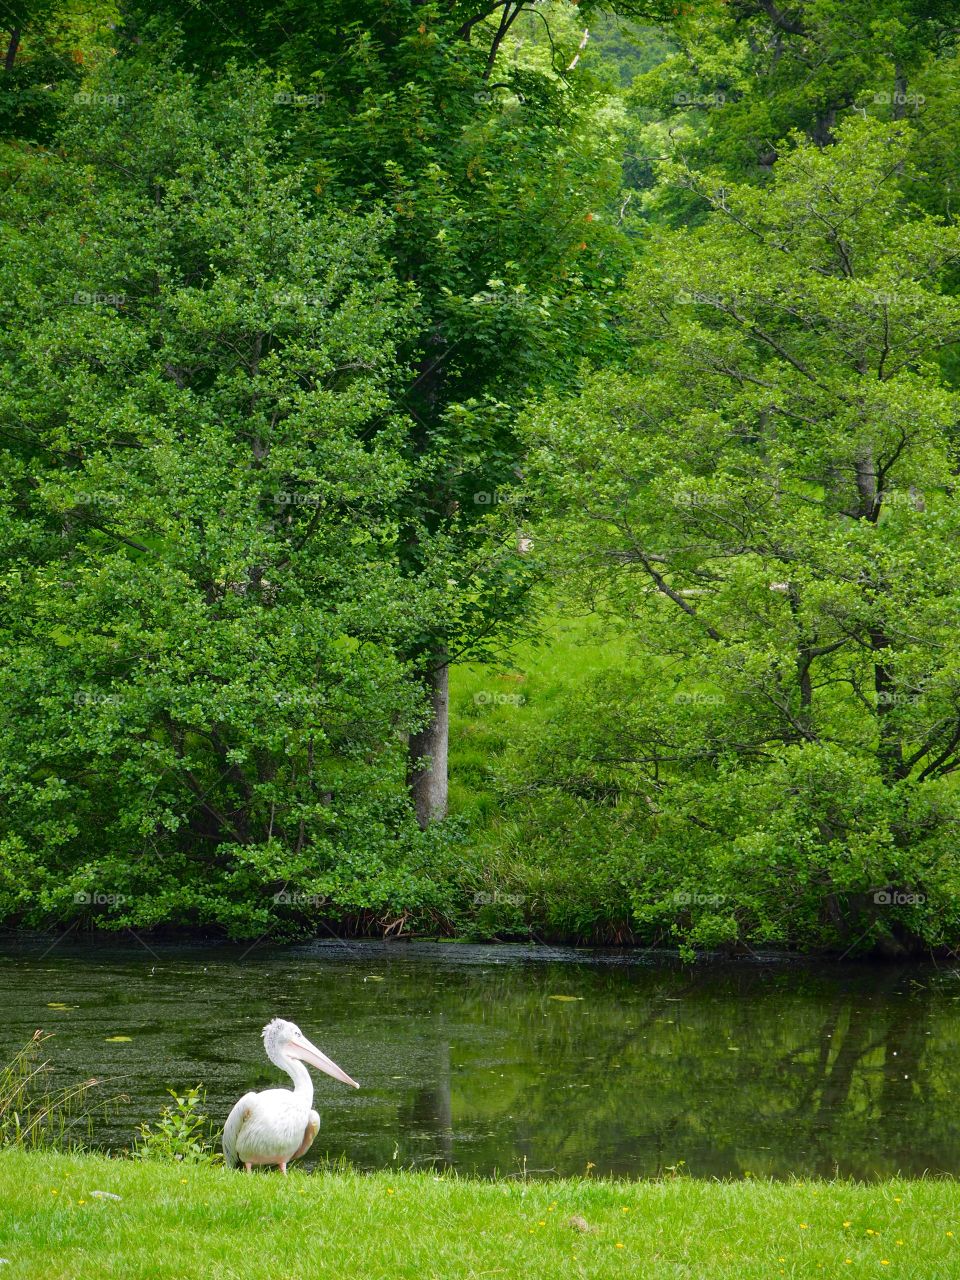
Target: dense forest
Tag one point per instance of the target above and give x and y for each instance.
(482, 468)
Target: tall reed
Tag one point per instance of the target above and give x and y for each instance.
(33, 1113)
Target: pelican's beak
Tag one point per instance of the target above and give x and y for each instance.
(301, 1048)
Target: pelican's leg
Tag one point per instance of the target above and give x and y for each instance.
(283, 1167)
(247, 1165)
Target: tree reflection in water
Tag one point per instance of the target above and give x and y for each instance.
(468, 1060)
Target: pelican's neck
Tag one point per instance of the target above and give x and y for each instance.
(302, 1080)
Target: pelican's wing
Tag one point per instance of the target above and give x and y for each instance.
(237, 1118)
(309, 1133)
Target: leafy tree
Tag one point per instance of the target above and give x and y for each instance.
(202, 605)
(747, 73)
(46, 48)
(767, 500)
(500, 167)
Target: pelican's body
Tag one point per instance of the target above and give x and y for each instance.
(278, 1125)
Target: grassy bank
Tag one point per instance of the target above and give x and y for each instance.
(522, 880)
(172, 1222)
(491, 708)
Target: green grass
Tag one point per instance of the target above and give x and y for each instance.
(490, 706)
(496, 717)
(176, 1222)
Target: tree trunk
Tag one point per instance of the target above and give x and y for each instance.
(427, 753)
(899, 99)
(12, 46)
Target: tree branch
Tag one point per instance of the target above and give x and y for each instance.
(12, 47)
(507, 19)
(782, 21)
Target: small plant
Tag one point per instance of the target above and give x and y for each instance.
(31, 1113)
(182, 1131)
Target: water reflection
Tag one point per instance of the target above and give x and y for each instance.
(499, 1059)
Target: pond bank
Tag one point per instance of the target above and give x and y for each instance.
(172, 1221)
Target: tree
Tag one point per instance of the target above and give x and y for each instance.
(748, 73)
(767, 499)
(499, 169)
(45, 50)
(203, 612)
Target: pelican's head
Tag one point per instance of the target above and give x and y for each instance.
(284, 1040)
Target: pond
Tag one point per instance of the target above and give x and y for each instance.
(524, 1061)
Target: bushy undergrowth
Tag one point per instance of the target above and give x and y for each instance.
(596, 821)
(181, 1132)
(35, 1114)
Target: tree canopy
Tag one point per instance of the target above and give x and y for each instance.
(352, 350)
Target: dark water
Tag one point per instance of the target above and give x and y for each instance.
(468, 1058)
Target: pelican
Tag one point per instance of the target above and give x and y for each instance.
(277, 1126)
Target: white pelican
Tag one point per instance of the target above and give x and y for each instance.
(277, 1126)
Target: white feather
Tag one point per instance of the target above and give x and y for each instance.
(278, 1125)
(268, 1127)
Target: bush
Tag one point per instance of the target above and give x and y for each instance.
(181, 1132)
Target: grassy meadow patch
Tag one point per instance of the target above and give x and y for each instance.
(73, 1217)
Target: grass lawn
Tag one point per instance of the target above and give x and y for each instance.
(489, 706)
(194, 1223)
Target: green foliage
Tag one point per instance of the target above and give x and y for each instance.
(46, 49)
(279, 289)
(181, 1132)
(501, 178)
(203, 698)
(747, 74)
(766, 501)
